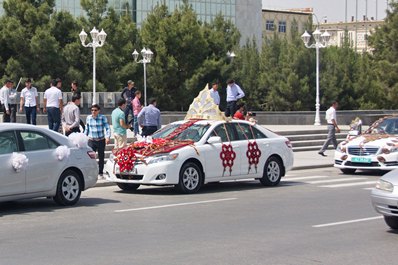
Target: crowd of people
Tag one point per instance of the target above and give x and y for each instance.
(144, 121)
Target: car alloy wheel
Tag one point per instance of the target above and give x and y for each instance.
(272, 172)
(69, 188)
(191, 178)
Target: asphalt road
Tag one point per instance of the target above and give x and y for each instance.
(316, 216)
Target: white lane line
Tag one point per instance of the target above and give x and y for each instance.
(304, 178)
(349, 184)
(368, 188)
(335, 180)
(348, 222)
(173, 205)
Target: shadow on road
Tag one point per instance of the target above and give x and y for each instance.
(46, 205)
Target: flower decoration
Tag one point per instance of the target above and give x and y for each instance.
(79, 139)
(19, 161)
(227, 156)
(253, 153)
(62, 152)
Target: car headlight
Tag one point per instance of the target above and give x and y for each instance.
(341, 148)
(384, 185)
(161, 158)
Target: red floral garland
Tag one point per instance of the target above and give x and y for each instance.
(253, 153)
(227, 156)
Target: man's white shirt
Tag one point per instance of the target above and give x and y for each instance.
(53, 95)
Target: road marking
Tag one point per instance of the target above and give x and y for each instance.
(305, 178)
(348, 222)
(173, 205)
(368, 188)
(349, 184)
(334, 180)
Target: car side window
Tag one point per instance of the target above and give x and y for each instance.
(8, 143)
(225, 132)
(34, 141)
(248, 132)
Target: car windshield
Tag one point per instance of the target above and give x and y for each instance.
(388, 126)
(194, 132)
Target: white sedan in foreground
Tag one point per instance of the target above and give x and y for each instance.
(190, 153)
(385, 198)
(37, 162)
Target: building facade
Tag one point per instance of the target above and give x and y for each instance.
(282, 22)
(245, 14)
(358, 32)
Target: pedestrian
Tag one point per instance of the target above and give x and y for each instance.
(119, 125)
(332, 128)
(74, 88)
(149, 118)
(30, 101)
(71, 116)
(53, 105)
(128, 94)
(5, 100)
(214, 93)
(137, 107)
(240, 113)
(234, 92)
(13, 104)
(99, 133)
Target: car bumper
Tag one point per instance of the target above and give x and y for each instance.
(376, 162)
(162, 173)
(384, 202)
(90, 176)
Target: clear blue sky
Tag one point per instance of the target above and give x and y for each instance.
(334, 10)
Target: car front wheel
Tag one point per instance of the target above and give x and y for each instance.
(391, 221)
(272, 172)
(191, 178)
(128, 186)
(69, 188)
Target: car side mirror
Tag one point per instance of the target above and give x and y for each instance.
(214, 140)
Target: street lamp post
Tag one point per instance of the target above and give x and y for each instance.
(321, 41)
(98, 40)
(147, 55)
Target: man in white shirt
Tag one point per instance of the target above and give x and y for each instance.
(53, 106)
(234, 92)
(30, 101)
(214, 93)
(332, 128)
(5, 100)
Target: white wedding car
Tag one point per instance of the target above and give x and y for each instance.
(219, 150)
(31, 166)
(376, 149)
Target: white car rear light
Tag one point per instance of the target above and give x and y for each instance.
(91, 154)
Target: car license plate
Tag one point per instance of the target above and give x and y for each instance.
(361, 160)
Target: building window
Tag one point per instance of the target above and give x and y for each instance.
(269, 25)
(282, 26)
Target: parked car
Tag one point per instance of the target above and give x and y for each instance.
(385, 198)
(375, 149)
(190, 153)
(37, 162)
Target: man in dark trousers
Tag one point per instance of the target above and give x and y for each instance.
(128, 94)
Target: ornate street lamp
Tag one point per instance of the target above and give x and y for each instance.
(147, 55)
(321, 41)
(98, 40)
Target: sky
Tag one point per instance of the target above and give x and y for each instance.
(334, 10)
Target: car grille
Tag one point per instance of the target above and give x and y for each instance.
(391, 163)
(129, 177)
(354, 164)
(364, 151)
